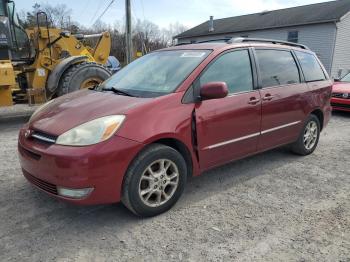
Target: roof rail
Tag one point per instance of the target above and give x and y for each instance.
(219, 40)
(187, 43)
(262, 40)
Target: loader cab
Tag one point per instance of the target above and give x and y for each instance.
(4, 33)
(11, 32)
(2, 8)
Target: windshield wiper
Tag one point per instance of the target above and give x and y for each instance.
(118, 91)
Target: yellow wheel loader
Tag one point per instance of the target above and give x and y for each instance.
(40, 63)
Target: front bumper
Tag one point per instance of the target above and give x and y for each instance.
(340, 104)
(101, 167)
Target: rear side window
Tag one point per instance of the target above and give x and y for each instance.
(311, 67)
(277, 67)
(234, 69)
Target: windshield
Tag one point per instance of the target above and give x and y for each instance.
(346, 78)
(156, 74)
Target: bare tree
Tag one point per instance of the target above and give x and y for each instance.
(58, 16)
(171, 31)
(146, 35)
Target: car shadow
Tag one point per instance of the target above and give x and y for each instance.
(198, 188)
(342, 114)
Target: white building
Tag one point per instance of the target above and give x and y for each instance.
(323, 27)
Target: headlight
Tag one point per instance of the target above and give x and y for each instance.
(40, 108)
(91, 132)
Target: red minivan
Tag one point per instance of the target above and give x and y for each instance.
(172, 114)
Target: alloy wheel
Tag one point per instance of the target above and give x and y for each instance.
(310, 135)
(158, 182)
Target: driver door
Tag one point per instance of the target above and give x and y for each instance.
(229, 128)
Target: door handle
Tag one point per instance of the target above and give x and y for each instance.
(268, 97)
(253, 101)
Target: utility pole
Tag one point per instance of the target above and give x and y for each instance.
(128, 38)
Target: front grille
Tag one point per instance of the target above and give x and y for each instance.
(339, 95)
(28, 152)
(44, 137)
(48, 187)
(340, 105)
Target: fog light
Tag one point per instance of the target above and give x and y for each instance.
(74, 193)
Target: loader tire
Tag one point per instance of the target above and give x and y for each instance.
(82, 75)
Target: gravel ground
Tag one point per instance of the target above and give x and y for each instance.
(271, 207)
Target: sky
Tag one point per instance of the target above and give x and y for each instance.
(164, 12)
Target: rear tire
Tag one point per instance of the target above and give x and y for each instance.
(154, 181)
(308, 139)
(82, 75)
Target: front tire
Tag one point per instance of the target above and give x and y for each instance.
(82, 75)
(308, 139)
(154, 181)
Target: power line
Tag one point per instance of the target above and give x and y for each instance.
(143, 44)
(104, 11)
(86, 6)
(97, 10)
(133, 10)
(143, 9)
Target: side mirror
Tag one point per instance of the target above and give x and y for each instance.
(65, 34)
(213, 90)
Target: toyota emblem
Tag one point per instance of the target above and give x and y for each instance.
(28, 133)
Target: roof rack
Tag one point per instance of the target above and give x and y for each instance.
(219, 40)
(187, 43)
(262, 40)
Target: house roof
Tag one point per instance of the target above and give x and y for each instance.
(300, 15)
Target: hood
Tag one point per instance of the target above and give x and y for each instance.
(341, 87)
(74, 109)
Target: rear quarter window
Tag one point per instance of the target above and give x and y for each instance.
(311, 67)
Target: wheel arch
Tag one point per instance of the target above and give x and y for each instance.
(319, 114)
(181, 148)
(179, 145)
(57, 73)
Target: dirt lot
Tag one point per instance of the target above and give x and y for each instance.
(274, 206)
